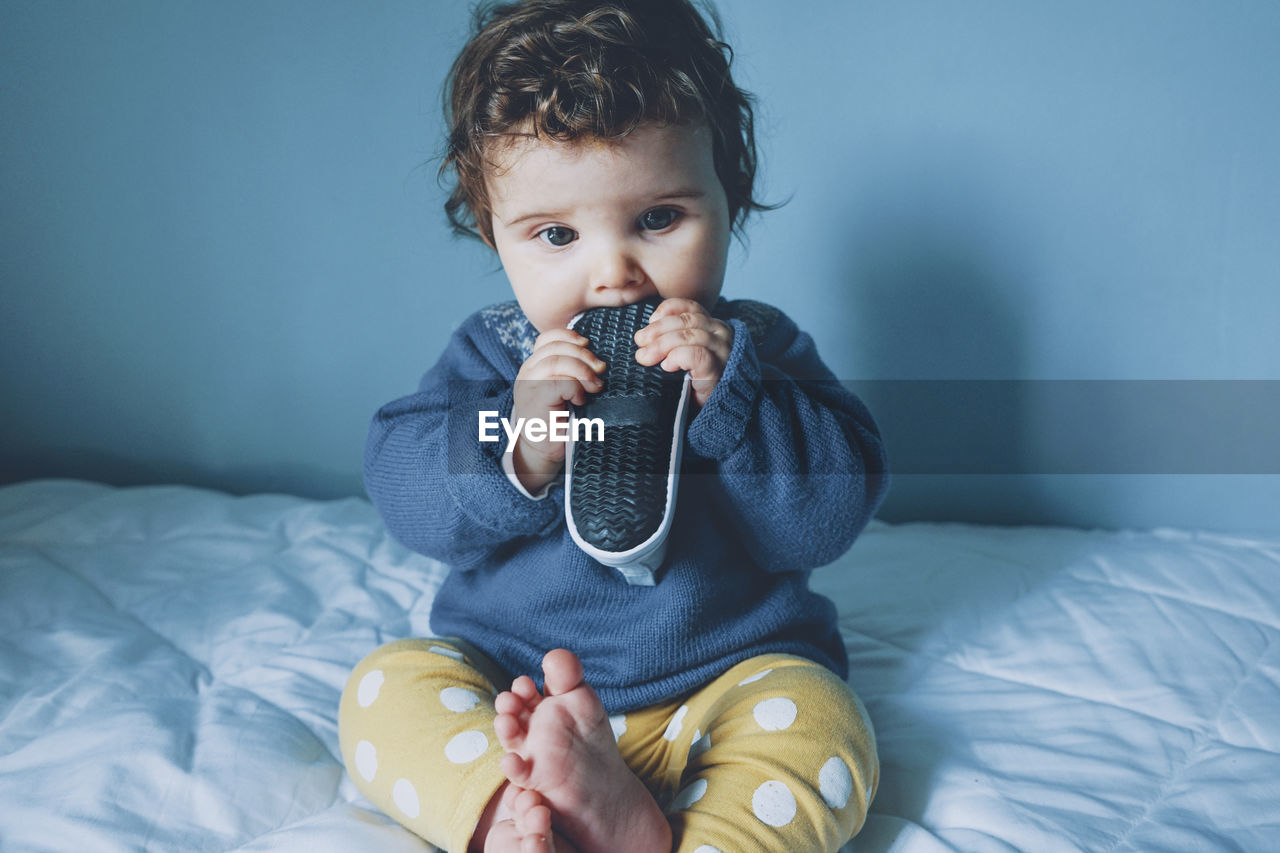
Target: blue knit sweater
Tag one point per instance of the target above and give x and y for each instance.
(782, 469)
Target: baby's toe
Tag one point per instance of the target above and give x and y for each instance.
(507, 702)
(533, 821)
(536, 844)
(509, 794)
(503, 837)
(562, 671)
(526, 690)
(509, 731)
(517, 770)
(532, 815)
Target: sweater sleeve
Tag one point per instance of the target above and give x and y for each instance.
(798, 456)
(440, 490)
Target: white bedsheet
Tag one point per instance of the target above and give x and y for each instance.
(171, 660)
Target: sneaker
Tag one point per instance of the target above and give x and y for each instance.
(620, 491)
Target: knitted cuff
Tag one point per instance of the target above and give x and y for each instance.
(718, 428)
(477, 482)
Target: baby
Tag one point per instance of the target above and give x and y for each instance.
(603, 150)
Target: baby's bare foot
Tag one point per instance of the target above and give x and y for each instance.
(561, 746)
(522, 824)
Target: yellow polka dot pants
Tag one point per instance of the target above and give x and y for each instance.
(777, 754)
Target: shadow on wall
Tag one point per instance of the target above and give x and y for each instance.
(939, 272)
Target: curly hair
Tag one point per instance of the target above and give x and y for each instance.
(584, 69)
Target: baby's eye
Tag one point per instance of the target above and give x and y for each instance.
(558, 235)
(659, 218)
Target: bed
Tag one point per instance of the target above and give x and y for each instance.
(171, 660)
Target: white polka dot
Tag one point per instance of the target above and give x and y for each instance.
(707, 848)
(754, 678)
(405, 797)
(458, 699)
(699, 745)
(618, 722)
(466, 747)
(835, 782)
(774, 715)
(449, 653)
(774, 803)
(690, 795)
(366, 760)
(369, 687)
(676, 724)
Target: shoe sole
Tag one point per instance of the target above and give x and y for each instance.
(620, 492)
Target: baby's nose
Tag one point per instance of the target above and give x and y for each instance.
(616, 269)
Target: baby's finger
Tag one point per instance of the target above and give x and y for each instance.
(676, 305)
(565, 335)
(661, 348)
(566, 349)
(682, 322)
(536, 397)
(701, 362)
(560, 366)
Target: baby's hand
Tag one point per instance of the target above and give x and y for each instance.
(681, 335)
(559, 371)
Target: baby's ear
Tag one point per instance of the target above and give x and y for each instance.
(482, 226)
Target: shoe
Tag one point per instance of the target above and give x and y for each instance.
(620, 489)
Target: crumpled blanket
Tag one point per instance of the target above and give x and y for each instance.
(171, 661)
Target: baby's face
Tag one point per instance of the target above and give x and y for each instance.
(581, 225)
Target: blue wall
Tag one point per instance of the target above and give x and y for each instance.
(221, 245)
